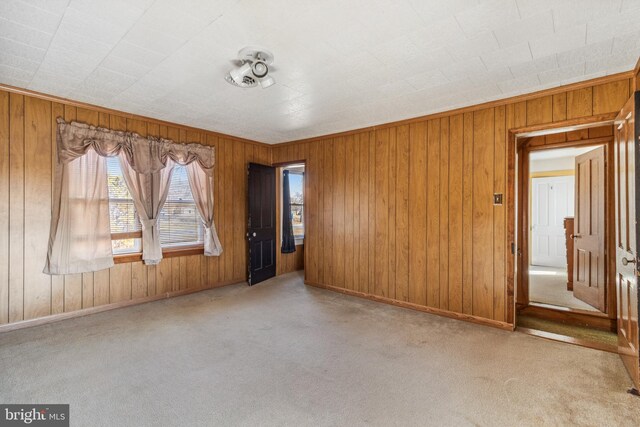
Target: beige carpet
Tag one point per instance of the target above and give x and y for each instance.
(281, 353)
(549, 285)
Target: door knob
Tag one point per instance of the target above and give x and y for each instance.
(575, 236)
(626, 261)
(254, 234)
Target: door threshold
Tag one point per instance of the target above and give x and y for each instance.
(569, 340)
(569, 316)
(564, 309)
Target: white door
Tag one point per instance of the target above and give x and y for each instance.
(552, 200)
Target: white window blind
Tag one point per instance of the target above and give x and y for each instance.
(179, 220)
(122, 213)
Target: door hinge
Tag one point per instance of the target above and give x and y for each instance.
(514, 250)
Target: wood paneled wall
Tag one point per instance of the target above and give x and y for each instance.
(27, 149)
(404, 212)
(288, 263)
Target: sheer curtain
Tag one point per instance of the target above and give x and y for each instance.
(149, 192)
(202, 189)
(80, 235)
(80, 238)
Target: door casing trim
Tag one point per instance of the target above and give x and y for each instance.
(517, 169)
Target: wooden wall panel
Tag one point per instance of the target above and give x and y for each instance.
(120, 283)
(57, 282)
(227, 219)
(101, 284)
(349, 214)
(401, 191)
(381, 275)
(371, 145)
(327, 229)
(415, 201)
(482, 234)
(27, 170)
(433, 213)
(239, 196)
(499, 215)
(312, 209)
(559, 107)
(608, 97)
(363, 230)
(16, 207)
(467, 214)
(319, 184)
(292, 262)
(539, 110)
(392, 221)
(444, 214)
(580, 103)
(417, 213)
(455, 261)
(337, 212)
(4, 207)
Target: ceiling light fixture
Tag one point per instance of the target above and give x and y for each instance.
(253, 69)
(237, 74)
(266, 82)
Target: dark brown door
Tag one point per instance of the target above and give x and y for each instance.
(626, 134)
(261, 230)
(589, 278)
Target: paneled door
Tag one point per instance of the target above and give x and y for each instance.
(589, 276)
(551, 201)
(626, 187)
(261, 224)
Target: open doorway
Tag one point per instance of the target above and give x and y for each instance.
(555, 243)
(290, 177)
(565, 284)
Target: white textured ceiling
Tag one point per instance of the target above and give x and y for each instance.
(559, 153)
(341, 64)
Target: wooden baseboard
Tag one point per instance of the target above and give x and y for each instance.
(571, 317)
(93, 310)
(445, 313)
(570, 340)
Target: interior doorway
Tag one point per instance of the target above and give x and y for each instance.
(291, 259)
(565, 229)
(553, 237)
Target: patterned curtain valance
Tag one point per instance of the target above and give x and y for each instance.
(145, 155)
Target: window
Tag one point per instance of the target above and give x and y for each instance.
(296, 191)
(126, 234)
(179, 221)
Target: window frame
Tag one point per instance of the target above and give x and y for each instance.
(190, 245)
(299, 239)
(167, 251)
